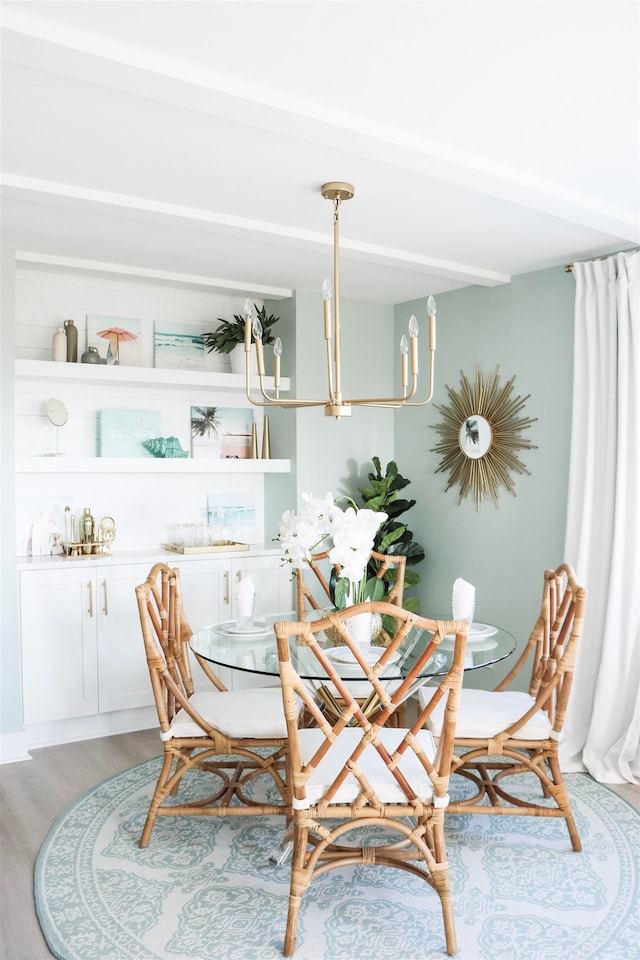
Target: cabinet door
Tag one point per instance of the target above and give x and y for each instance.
(58, 616)
(206, 586)
(123, 675)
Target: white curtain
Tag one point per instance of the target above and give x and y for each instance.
(602, 731)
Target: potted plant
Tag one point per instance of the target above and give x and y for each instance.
(228, 337)
(393, 536)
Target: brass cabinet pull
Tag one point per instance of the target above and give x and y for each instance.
(226, 586)
(106, 598)
(90, 585)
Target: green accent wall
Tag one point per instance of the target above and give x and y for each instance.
(525, 328)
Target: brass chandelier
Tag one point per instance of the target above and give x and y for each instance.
(336, 406)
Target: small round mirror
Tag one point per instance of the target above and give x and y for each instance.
(57, 412)
(475, 436)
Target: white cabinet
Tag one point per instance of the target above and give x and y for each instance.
(59, 644)
(82, 649)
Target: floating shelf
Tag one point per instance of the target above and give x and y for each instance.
(156, 465)
(100, 375)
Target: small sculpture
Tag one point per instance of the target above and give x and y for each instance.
(167, 447)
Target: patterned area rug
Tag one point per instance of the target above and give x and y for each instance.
(204, 888)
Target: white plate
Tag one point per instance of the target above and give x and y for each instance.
(478, 631)
(371, 654)
(231, 626)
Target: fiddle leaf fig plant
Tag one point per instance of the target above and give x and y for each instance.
(393, 536)
(230, 333)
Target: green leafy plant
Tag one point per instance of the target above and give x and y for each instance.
(393, 536)
(230, 333)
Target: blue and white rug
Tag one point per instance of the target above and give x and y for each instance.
(204, 888)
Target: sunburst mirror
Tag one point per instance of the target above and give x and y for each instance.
(481, 435)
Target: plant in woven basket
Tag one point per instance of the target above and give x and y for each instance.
(393, 536)
(230, 333)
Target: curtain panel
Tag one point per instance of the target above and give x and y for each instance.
(602, 732)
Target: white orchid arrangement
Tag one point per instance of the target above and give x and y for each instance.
(352, 532)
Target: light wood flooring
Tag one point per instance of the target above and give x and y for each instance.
(33, 794)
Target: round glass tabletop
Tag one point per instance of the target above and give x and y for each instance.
(225, 645)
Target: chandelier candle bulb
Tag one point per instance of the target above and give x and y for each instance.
(431, 310)
(277, 351)
(404, 360)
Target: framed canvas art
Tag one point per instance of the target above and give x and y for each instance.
(178, 346)
(118, 340)
(221, 432)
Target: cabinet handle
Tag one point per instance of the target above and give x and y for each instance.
(226, 586)
(106, 599)
(239, 575)
(90, 585)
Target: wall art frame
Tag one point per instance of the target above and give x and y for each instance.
(481, 436)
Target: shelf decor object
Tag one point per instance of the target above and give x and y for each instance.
(218, 546)
(335, 405)
(178, 346)
(166, 448)
(122, 433)
(481, 432)
(107, 334)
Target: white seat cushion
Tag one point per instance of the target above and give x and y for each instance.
(484, 713)
(372, 765)
(256, 713)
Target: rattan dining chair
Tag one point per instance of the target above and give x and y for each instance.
(504, 733)
(219, 731)
(351, 773)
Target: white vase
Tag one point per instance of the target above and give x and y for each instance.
(361, 627)
(238, 362)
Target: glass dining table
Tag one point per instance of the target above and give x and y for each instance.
(255, 651)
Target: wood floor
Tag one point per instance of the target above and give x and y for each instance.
(35, 792)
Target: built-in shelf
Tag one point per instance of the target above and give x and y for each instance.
(100, 374)
(155, 465)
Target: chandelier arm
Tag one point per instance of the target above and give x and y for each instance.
(432, 366)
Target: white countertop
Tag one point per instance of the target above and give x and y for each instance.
(146, 555)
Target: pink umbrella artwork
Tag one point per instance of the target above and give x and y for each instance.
(115, 335)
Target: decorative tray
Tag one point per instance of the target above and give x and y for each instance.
(218, 546)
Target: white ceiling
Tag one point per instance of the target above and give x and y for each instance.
(484, 139)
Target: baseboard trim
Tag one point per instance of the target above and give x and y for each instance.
(14, 747)
(51, 734)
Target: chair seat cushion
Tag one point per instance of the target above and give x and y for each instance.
(255, 713)
(484, 713)
(375, 770)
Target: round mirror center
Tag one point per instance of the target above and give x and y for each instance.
(475, 436)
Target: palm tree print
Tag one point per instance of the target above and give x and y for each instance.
(204, 422)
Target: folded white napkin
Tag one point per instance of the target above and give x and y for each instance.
(245, 597)
(463, 600)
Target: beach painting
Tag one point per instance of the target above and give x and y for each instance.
(178, 346)
(118, 340)
(233, 517)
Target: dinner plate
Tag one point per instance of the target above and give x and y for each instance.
(478, 631)
(371, 654)
(231, 627)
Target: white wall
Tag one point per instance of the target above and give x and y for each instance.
(144, 507)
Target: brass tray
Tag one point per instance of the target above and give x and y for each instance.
(218, 546)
